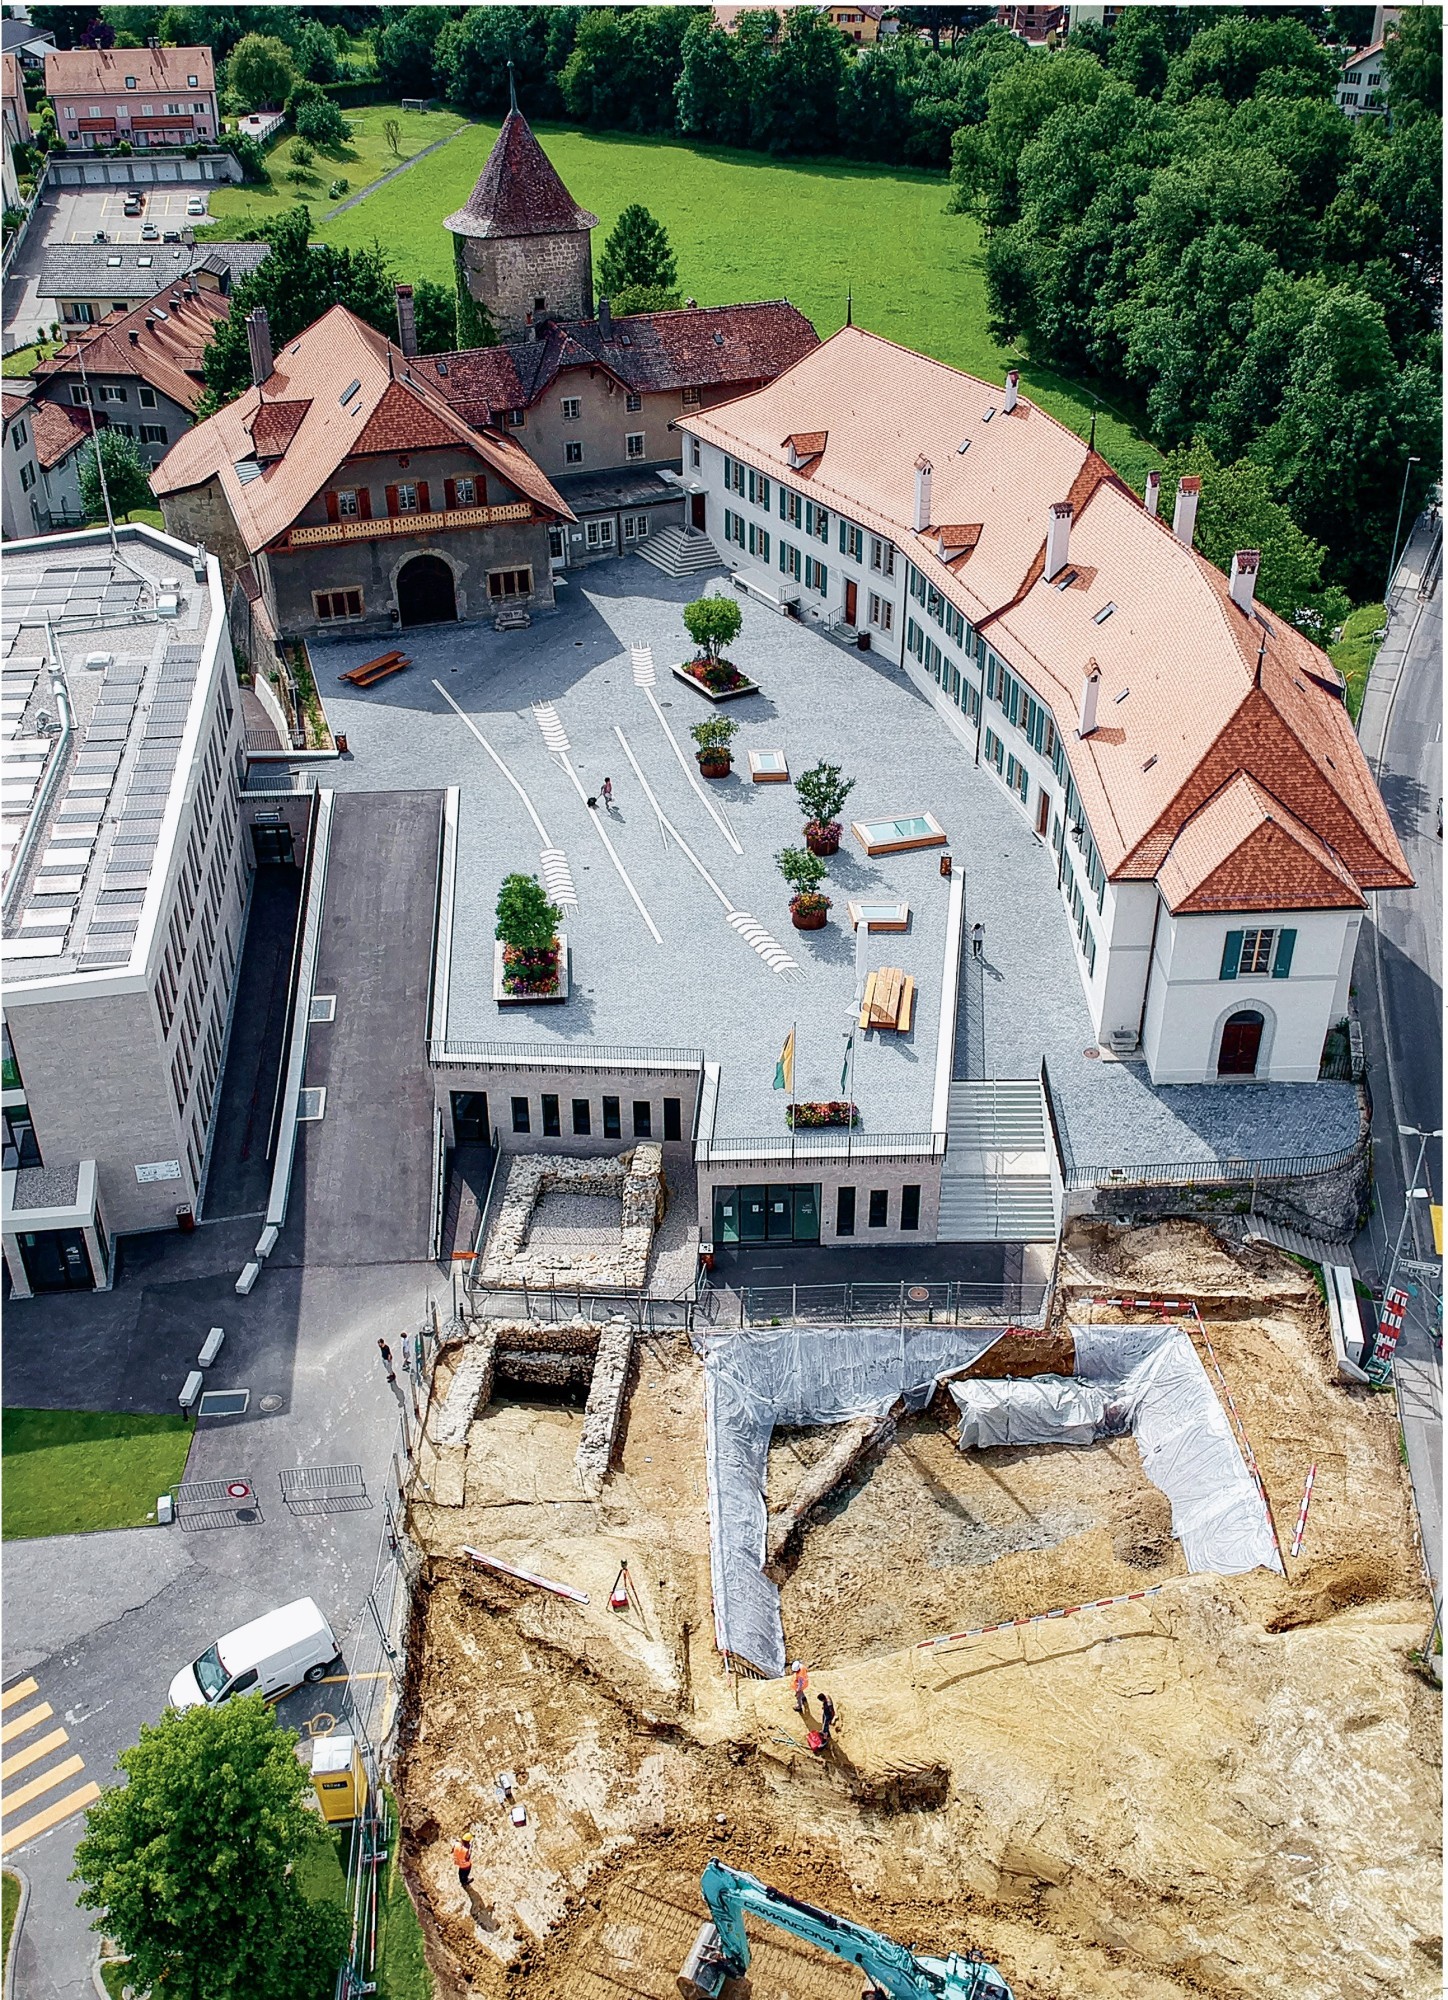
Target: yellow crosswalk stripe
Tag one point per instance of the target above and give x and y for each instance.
(17, 1693)
(41, 1822)
(33, 1753)
(13, 1801)
(40, 1713)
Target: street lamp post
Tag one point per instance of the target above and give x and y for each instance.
(1413, 1192)
(1398, 525)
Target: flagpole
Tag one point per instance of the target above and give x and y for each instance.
(793, 1067)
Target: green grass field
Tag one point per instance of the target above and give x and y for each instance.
(743, 226)
(22, 360)
(364, 159)
(70, 1471)
(1353, 654)
(401, 1970)
(9, 1905)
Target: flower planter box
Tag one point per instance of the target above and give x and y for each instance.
(822, 839)
(559, 993)
(811, 1116)
(744, 686)
(809, 919)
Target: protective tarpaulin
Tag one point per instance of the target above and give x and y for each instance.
(1186, 1443)
(1036, 1409)
(797, 1376)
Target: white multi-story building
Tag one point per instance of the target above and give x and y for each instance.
(1186, 754)
(1361, 91)
(125, 885)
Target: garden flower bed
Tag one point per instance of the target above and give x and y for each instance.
(523, 975)
(716, 680)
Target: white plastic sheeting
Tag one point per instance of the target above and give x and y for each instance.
(1037, 1409)
(1187, 1445)
(798, 1376)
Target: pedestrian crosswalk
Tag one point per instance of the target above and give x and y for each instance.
(22, 1713)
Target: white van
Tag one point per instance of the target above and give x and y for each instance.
(270, 1656)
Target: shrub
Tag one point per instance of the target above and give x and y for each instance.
(713, 623)
(804, 873)
(822, 793)
(249, 156)
(714, 737)
(338, 188)
(526, 920)
(123, 146)
(301, 152)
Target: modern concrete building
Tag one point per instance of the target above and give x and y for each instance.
(149, 97)
(125, 887)
(1187, 754)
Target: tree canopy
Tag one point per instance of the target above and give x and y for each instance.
(189, 1864)
(260, 72)
(127, 474)
(637, 254)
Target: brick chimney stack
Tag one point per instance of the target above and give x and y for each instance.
(406, 322)
(258, 342)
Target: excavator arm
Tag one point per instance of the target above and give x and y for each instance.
(721, 1950)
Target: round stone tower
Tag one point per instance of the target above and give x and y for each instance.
(524, 243)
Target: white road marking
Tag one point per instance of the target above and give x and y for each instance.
(552, 859)
(645, 677)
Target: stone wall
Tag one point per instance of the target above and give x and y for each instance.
(635, 1177)
(1331, 1206)
(507, 273)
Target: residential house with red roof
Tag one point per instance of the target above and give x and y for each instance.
(41, 458)
(149, 97)
(1185, 754)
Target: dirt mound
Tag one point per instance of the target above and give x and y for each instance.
(1142, 1535)
(1325, 1588)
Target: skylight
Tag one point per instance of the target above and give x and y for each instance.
(113, 261)
(989, 414)
(1122, 696)
(962, 447)
(1065, 582)
(145, 263)
(1103, 614)
(349, 392)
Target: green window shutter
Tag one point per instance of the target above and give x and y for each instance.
(781, 504)
(842, 538)
(782, 547)
(824, 579)
(1282, 956)
(1231, 955)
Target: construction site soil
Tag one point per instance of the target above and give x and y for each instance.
(1227, 1787)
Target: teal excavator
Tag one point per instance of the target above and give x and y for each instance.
(720, 1953)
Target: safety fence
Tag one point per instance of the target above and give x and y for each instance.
(952, 1302)
(1217, 1173)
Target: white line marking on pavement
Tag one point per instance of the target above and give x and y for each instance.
(704, 799)
(552, 858)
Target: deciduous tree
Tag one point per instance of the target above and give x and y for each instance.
(127, 476)
(260, 72)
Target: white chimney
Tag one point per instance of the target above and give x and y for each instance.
(1153, 492)
(259, 347)
(1013, 383)
(922, 494)
(1058, 537)
(1243, 582)
(1184, 518)
(1090, 694)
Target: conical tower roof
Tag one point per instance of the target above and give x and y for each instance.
(518, 192)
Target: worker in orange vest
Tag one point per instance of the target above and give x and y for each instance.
(801, 1687)
(462, 1855)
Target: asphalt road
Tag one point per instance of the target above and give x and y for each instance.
(1399, 979)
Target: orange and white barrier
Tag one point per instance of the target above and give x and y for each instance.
(1038, 1618)
(1301, 1529)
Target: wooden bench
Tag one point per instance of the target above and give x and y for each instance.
(889, 1000)
(376, 670)
(516, 620)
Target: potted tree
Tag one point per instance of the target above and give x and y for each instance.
(804, 872)
(713, 623)
(822, 793)
(713, 738)
(530, 948)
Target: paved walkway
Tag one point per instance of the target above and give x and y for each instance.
(392, 174)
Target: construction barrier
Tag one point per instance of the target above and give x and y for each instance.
(1038, 1618)
(1301, 1529)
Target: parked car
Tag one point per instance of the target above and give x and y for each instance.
(150, 234)
(100, 237)
(135, 201)
(270, 1656)
(196, 206)
(171, 236)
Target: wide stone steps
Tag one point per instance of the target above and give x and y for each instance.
(680, 551)
(1001, 1209)
(996, 1182)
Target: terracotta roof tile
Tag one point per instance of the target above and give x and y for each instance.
(57, 429)
(518, 193)
(1180, 706)
(275, 425)
(1243, 850)
(172, 332)
(73, 72)
(317, 368)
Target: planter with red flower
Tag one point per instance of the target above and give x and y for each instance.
(713, 623)
(713, 740)
(809, 910)
(530, 953)
(810, 1116)
(822, 793)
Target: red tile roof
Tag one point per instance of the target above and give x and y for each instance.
(172, 332)
(1237, 852)
(57, 429)
(518, 193)
(275, 425)
(74, 72)
(396, 404)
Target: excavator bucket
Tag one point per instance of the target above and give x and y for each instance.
(704, 1976)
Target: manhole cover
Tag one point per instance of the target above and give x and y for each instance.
(1091, 1053)
(271, 1404)
(246, 1515)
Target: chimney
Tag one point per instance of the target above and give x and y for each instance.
(1013, 383)
(1184, 518)
(134, 335)
(1058, 537)
(406, 322)
(922, 494)
(174, 302)
(258, 341)
(1153, 492)
(1243, 583)
(605, 319)
(1090, 694)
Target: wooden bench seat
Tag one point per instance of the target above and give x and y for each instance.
(357, 675)
(373, 672)
(889, 1000)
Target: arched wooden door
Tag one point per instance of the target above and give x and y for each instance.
(1241, 1044)
(425, 594)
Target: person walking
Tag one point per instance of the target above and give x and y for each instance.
(463, 1860)
(800, 1674)
(977, 940)
(827, 1720)
(386, 1352)
(606, 793)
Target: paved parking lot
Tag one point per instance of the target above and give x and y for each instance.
(73, 215)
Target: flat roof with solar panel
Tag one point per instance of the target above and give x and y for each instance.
(100, 651)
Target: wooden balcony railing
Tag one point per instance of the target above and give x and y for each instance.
(437, 521)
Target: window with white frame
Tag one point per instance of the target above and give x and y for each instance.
(635, 527)
(517, 419)
(347, 501)
(852, 542)
(153, 434)
(882, 613)
(789, 560)
(465, 492)
(599, 534)
(1256, 953)
(573, 452)
(882, 555)
(27, 476)
(759, 542)
(407, 499)
(80, 391)
(634, 444)
(18, 433)
(816, 576)
(572, 409)
(694, 455)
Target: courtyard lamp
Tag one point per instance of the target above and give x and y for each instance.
(1397, 527)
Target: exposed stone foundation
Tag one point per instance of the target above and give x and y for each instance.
(1332, 1206)
(636, 1178)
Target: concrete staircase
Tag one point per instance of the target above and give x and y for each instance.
(680, 551)
(996, 1182)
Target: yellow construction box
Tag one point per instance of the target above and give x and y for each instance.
(338, 1778)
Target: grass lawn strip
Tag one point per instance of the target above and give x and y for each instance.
(22, 360)
(72, 1471)
(401, 1971)
(9, 1907)
(1355, 649)
(365, 158)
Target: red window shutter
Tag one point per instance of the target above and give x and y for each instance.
(424, 504)
(392, 499)
(480, 491)
(364, 503)
(331, 506)
(449, 493)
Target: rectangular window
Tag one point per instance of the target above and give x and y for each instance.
(852, 542)
(789, 560)
(673, 1128)
(882, 556)
(27, 477)
(879, 1208)
(112, 392)
(552, 1124)
(759, 542)
(510, 583)
(598, 534)
(1256, 953)
(691, 402)
(582, 1118)
(634, 444)
(520, 1114)
(816, 576)
(79, 391)
(572, 452)
(517, 419)
(844, 1211)
(465, 492)
(153, 434)
(759, 489)
(643, 1119)
(612, 1123)
(694, 453)
(407, 499)
(331, 605)
(632, 402)
(909, 1208)
(882, 612)
(572, 409)
(347, 502)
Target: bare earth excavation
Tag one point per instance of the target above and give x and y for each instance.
(1221, 1784)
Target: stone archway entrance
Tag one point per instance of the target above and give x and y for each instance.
(425, 594)
(1241, 1044)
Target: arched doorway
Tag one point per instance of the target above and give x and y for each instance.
(425, 594)
(1241, 1043)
